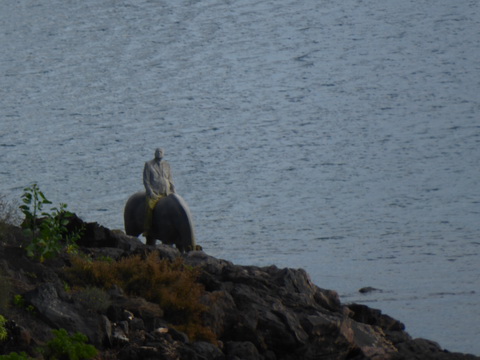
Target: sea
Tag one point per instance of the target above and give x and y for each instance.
(341, 137)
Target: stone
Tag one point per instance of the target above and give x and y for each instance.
(367, 289)
(207, 351)
(236, 350)
(254, 312)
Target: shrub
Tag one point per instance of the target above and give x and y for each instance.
(93, 298)
(15, 356)
(172, 285)
(49, 233)
(72, 347)
(3, 331)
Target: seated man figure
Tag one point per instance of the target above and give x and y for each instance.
(157, 178)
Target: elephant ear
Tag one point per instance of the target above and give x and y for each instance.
(134, 213)
(186, 228)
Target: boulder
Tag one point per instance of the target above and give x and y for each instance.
(263, 313)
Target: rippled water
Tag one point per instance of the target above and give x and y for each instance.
(338, 136)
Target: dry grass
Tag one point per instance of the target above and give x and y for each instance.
(172, 285)
(93, 298)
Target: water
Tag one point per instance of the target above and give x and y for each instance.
(340, 137)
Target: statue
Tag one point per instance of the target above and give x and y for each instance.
(158, 181)
(171, 221)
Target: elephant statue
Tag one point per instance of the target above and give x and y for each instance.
(171, 221)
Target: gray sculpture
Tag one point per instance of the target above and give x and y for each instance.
(158, 181)
(171, 221)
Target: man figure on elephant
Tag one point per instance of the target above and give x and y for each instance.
(157, 178)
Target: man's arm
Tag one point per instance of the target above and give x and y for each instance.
(170, 178)
(146, 180)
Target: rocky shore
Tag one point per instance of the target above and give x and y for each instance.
(251, 312)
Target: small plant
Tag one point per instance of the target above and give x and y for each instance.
(3, 331)
(71, 347)
(49, 233)
(93, 298)
(15, 356)
(19, 301)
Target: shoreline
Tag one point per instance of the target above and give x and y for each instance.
(249, 311)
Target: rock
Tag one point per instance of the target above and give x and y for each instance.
(59, 313)
(244, 350)
(18, 338)
(119, 336)
(254, 312)
(178, 335)
(94, 235)
(422, 349)
(150, 313)
(106, 327)
(208, 351)
(367, 289)
(366, 315)
(166, 251)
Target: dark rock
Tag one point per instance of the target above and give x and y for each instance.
(18, 339)
(241, 351)
(106, 327)
(219, 314)
(59, 313)
(257, 312)
(150, 313)
(94, 235)
(366, 315)
(119, 336)
(422, 349)
(367, 289)
(207, 351)
(137, 324)
(167, 252)
(178, 335)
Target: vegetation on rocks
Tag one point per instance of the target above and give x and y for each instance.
(117, 298)
(172, 285)
(49, 234)
(62, 346)
(3, 331)
(71, 347)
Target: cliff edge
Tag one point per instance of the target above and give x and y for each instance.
(243, 312)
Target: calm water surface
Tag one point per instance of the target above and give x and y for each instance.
(340, 137)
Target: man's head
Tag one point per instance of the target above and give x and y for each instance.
(158, 153)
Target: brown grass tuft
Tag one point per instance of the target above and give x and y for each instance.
(172, 285)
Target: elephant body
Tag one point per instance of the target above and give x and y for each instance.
(171, 221)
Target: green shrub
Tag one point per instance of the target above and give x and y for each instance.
(71, 347)
(19, 301)
(49, 233)
(15, 356)
(3, 331)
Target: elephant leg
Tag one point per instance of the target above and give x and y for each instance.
(147, 226)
